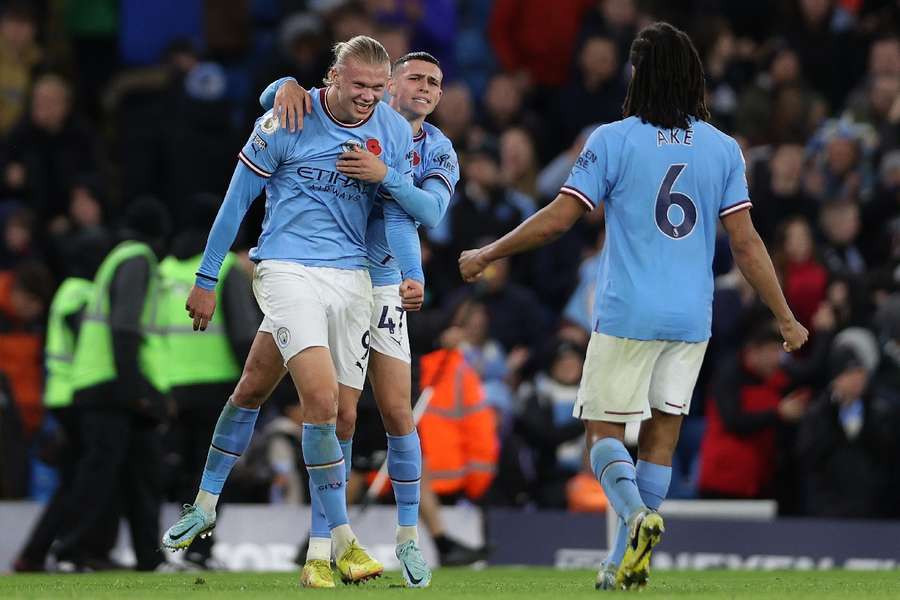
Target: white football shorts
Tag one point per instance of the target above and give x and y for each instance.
(317, 306)
(388, 330)
(624, 378)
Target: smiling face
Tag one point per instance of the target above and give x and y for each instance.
(415, 88)
(359, 87)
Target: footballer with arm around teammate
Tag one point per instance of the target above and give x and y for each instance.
(415, 90)
(311, 282)
(665, 177)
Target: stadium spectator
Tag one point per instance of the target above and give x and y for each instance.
(546, 424)
(595, 95)
(20, 238)
(516, 317)
(454, 114)
(752, 400)
(778, 107)
(484, 206)
(821, 32)
(804, 279)
(840, 222)
(847, 440)
(48, 150)
(25, 295)
(302, 51)
(504, 107)
(613, 18)
(518, 161)
(469, 333)
(19, 55)
(778, 191)
(515, 24)
(841, 161)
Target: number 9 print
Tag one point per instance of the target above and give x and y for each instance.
(666, 198)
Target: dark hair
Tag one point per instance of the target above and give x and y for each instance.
(761, 333)
(35, 279)
(668, 86)
(424, 56)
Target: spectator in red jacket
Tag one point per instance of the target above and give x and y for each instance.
(803, 278)
(24, 298)
(536, 38)
(753, 396)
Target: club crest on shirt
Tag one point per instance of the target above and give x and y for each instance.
(416, 159)
(352, 146)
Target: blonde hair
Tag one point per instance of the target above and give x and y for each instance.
(366, 50)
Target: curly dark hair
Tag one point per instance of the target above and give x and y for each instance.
(668, 88)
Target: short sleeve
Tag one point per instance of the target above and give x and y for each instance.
(736, 195)
(265, 149)
(589, 179)
(441, 163)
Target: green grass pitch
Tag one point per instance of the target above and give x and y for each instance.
(499, 583)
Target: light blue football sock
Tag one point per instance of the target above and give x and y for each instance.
(327, 473)
(653, 482)
(615, 471)
(319, 526)
(230, 439)
(653, 485)
(404, 458)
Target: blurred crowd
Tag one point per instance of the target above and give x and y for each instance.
(108, 107)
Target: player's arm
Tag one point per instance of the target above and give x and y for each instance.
(245, 186)
(403, 240)
(290, 101)
(539, 229)
(428, 202)
(426, 205)
(753, 260)
(257, 161)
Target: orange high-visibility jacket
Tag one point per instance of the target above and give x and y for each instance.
(458, 431)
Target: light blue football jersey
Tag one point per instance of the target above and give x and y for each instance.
(315, 215)
(663, 192)
(433, 157)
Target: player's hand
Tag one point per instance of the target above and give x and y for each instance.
(794, 334)
(201, 304)
(291, 103)
(412, 294)
(362, 165)
(472, 264)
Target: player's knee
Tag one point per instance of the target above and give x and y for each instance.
(247, 395)
(346, 423)
(397, 419)
(320, 405)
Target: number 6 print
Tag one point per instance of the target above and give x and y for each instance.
(665, 198)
